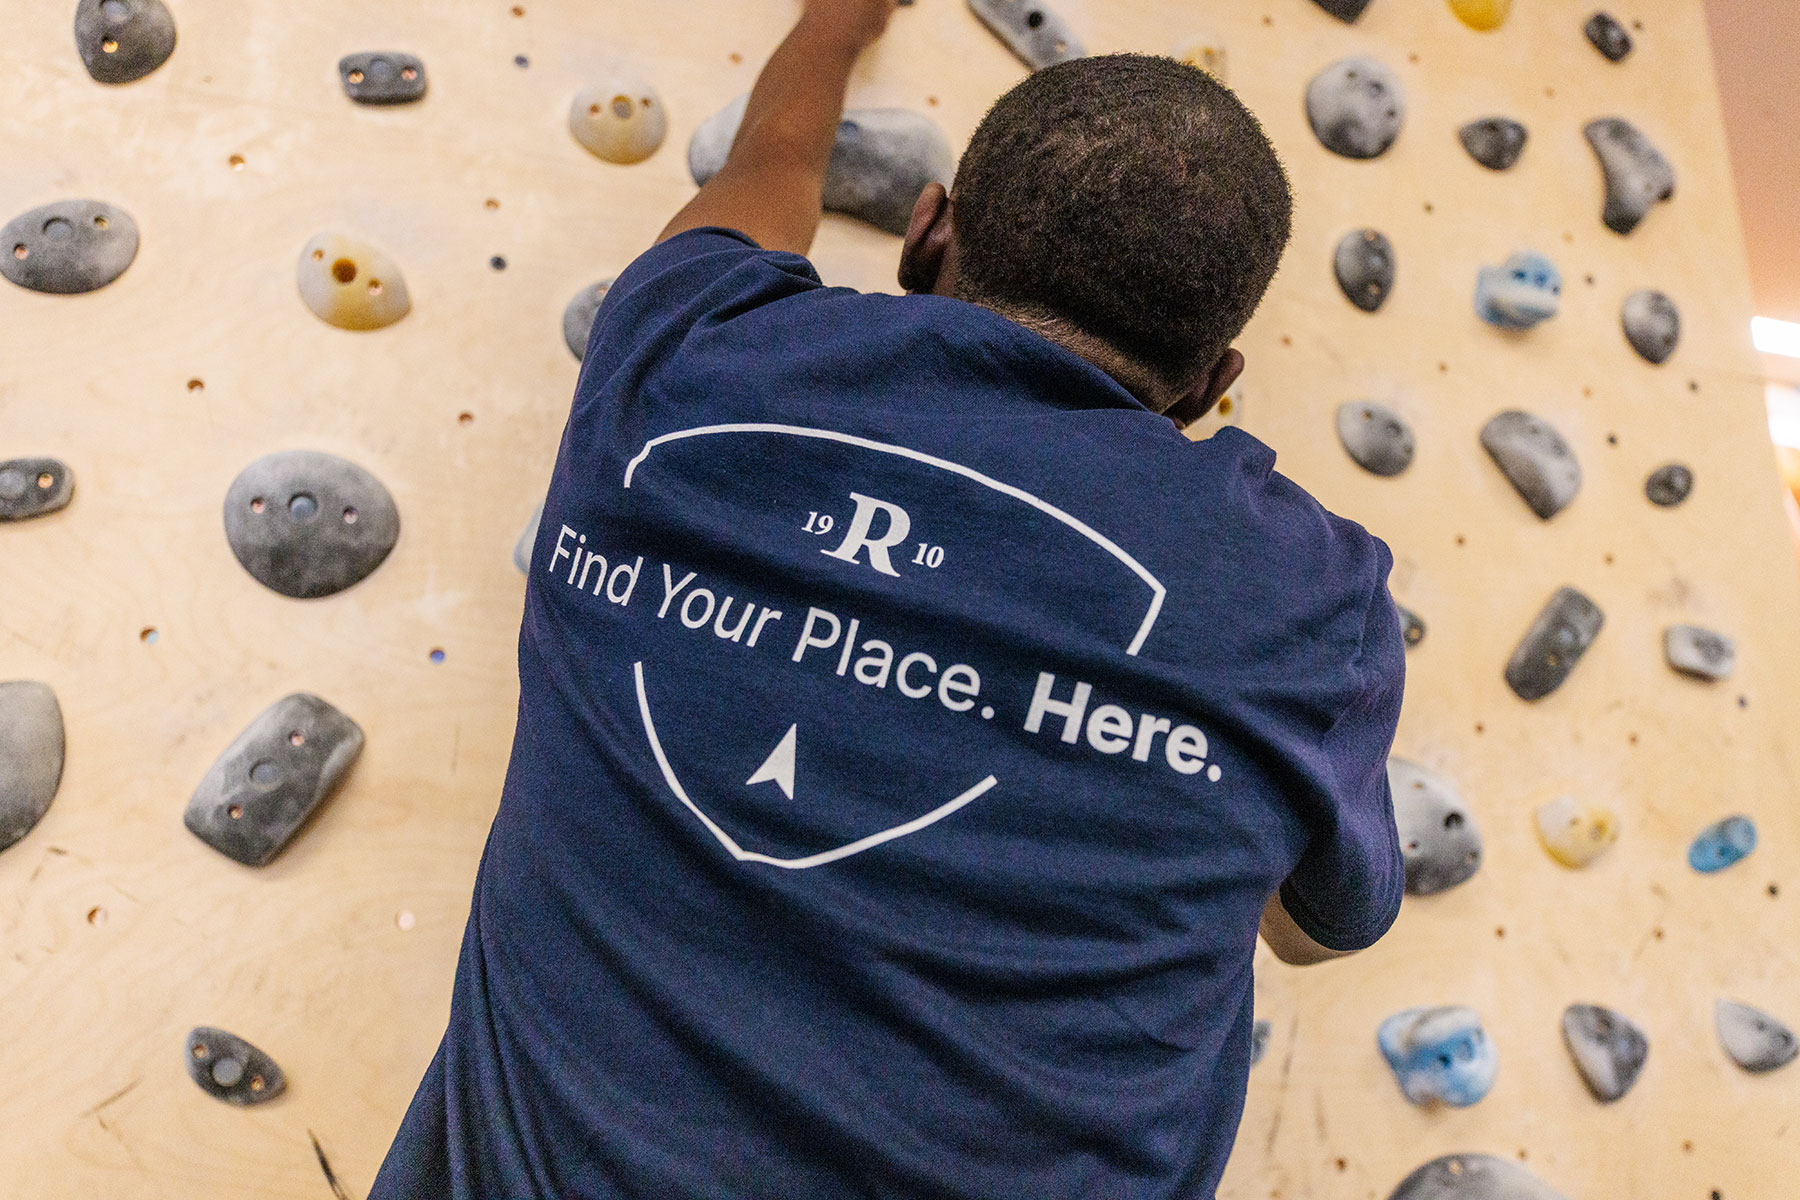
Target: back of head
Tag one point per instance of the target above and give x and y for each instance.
(1132, 198)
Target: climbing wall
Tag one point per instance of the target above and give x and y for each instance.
(120, 930)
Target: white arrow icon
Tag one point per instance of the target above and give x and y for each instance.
(779, 766)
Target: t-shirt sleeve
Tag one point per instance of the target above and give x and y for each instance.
(1346, 891)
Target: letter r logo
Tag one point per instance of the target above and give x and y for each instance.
(857, 537)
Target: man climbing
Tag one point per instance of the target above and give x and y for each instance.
(914, 727)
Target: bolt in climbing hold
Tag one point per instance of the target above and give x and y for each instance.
(1494, 142)
(1637, 176)
(1557, 639)
(1722, 844)
(1608, 1049)
(1031, 30)
(1523, 291)
(1652, 325)
(1699, 652)
(881, 161)
(272, 777)
(622, 119)
(68, 246)
(1364, 265)
(1439, 1055)
(1482, 15)
(230, 1069)
(1377, 439)
(1347, 11)
(350, 284)
(31, 756)
(1412, 626)
(123, 40)
(1356, 107)
(1609, 37)
(34, 487)
(308, 524)
(1576, 834)
(1669, 485)
(579, 314)
(1473, 1177)
(1535, 460)
(382, 77)
(1753, 1039)
(528, 541)
(1439, 843)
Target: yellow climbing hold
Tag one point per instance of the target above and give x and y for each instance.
(621, 120)
(1481, 14)
(1576, 834)
(348, 283)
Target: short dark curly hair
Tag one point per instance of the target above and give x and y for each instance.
(1133, 197)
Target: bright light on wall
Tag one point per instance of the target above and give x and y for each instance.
(1775, 337)
(1784, 415)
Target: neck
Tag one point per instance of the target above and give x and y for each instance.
(1142, 383)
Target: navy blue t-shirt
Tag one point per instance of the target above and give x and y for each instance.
(911, 728)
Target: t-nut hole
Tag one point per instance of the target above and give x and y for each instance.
(465, 418)
(621, 107)
(343, 270)
(235, 162)
(350, 515)
(196, 384)
(303, 506)
(96, 916)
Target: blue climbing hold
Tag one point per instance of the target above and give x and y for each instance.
(1521, 292)
(1439, 1055)
(1721, 844)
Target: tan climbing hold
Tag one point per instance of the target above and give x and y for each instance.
(1483, 15)
(1575, 834)
(351, 284)
(621, 120)
(1205, 52)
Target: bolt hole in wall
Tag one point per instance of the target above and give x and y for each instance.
(148, 635)
(437, 654)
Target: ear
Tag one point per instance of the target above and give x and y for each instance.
(1211, 387)
(928, 238)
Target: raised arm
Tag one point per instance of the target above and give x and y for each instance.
(772, 182)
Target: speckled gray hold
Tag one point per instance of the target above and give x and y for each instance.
(1669, 485)
(230, 1069)
(31, 756)
(382, 77)
(579, 314)
(1638, 177)
(1752, 1038)
(1652, 325)
(1608, 36)
(1473, 1177)
(1377, 438)
(1535, 460)
(1494, 142)
(881, 161)
(1031, 29)
(123, 40)
(1608, 1048)
(1356, 107)
(1439, 843)
(68, 246)
(1364, 265)
(1699, 652)
(272, 777)
(34, 487)
(528, 541)
(308, 524)
(1557, 639)
(1347, 11)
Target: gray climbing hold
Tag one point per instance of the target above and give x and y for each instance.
(1638, 177)
(1669, 485)
(1356, 107)
(1364, 264)
(527, 541)
(1412, 627)
(1520, 293)
(31, 756)
(382, 77)
(1347, 11)
(881, 161)
(1553, 645)
(1752, 1038)
(1439, 842)
(1722, 844)
(271, 778)
(1439, 1055)
(1608, 36)
(68, 246)
(1259, 1040)
(1473, 1177)
(579, 314)
(1031, 29)
(1377, 439)
(1699, 652)
(1652, 325)
(230, 1069)
(1608, 1049)
(34, 487)
(1535, 460)
(308, 524)
(1494, 142)
(123, 40)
